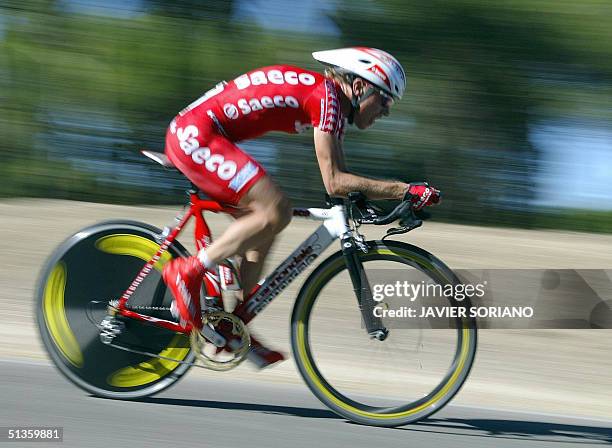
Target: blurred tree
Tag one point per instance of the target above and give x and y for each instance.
(470, 68)
(80, 93)
(192, 9)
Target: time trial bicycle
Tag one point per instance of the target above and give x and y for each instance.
(104, 313)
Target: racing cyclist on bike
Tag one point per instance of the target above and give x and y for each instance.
(360, 85)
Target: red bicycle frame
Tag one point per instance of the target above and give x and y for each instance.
(334, 227)
(203, 238)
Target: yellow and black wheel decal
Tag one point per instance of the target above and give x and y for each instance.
(55, 316)
(152, 369)
(155, 368)
(133, 245)
(90, 269)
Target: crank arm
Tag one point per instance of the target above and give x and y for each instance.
(215, 338)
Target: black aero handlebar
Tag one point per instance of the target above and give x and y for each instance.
(372, 214)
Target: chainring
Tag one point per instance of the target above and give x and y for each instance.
(234, 330)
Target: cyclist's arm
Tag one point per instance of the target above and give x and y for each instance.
(339, 182)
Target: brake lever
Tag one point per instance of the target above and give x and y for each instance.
(400, 230)
(409, 221)
(404, 229)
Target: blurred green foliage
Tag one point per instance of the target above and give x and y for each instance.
(578, 220)
(80, 94)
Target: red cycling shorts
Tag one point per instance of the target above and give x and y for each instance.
(212, 162)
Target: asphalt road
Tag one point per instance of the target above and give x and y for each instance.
(223, 413)
(538, 372)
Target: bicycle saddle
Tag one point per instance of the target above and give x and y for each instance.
(159, 157)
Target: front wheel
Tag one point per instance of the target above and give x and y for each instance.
(413, 373)
(90, 269)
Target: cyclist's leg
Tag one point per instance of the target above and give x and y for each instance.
(269, 212)
(263, 212)
(227, 174)
(251, 266)
(251, 261)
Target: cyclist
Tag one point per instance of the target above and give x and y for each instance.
(359, 86)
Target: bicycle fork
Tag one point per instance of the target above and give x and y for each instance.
(363, 292)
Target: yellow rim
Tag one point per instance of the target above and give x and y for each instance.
(316, 380)
(55, 316)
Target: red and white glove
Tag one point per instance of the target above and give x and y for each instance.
(422, 195)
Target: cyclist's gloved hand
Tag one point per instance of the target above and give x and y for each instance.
(422, 195)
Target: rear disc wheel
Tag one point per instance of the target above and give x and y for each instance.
(89, 270)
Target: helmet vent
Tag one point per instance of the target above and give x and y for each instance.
(365, 61)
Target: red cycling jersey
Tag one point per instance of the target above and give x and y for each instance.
(276, 98)
(200, 140)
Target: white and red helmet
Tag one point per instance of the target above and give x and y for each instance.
(375, 66)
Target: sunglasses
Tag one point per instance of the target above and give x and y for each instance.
(385, 98)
